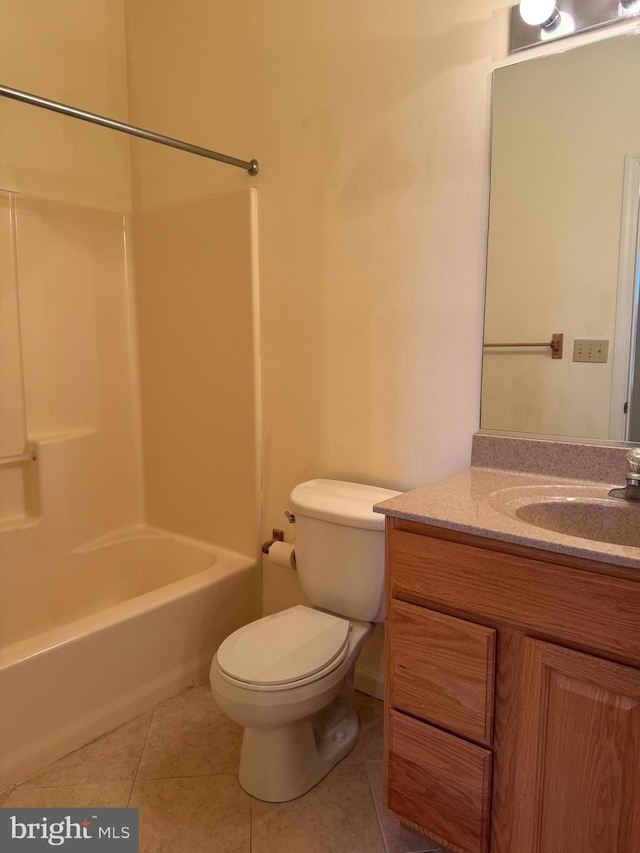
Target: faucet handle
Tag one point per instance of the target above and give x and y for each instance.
(633, 458)
(631, 491)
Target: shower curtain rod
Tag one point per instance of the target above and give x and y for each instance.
(251, 166)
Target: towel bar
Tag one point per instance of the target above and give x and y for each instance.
(555, 344)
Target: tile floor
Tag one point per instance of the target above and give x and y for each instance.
(177, 764)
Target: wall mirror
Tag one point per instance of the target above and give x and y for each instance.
(564, 243)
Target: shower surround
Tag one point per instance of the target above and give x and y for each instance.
(120, 578)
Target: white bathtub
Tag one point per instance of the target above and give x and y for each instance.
(125, 623)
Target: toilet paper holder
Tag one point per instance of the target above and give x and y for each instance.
(278, 536)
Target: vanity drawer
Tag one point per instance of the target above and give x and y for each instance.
(442, 670)
(439, 783)
(591, 610)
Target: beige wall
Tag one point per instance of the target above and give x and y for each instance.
(71, 51)
(562, 127)
(371, 123)
(194, 291)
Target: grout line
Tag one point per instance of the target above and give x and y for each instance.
(22, 783)
(380, 811)
(231, 773)
(375, 806)
(146, 738)
(250, 824)
(4, 795)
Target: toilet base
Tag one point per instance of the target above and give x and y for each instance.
(282, 763)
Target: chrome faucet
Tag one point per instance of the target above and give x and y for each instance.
(631, 491)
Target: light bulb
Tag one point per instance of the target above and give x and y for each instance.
(628, 7)
(541, 13)
(564, 26)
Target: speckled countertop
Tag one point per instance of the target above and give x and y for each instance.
(486, 498)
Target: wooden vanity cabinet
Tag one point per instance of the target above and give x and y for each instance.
(512, 703)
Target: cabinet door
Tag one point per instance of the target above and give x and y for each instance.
(580, 759)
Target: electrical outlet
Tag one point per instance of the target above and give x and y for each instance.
(594, 351)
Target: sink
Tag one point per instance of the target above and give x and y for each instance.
(584, 511)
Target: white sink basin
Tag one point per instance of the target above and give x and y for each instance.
(583, 511)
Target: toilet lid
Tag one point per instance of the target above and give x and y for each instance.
(284, 647)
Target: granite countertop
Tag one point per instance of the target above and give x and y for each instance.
(483, 501)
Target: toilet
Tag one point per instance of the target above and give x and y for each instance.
(288, 678)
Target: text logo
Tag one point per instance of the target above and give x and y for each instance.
(72, 830)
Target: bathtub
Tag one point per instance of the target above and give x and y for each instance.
(122, 624)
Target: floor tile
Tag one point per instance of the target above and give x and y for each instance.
(114, 757)
(205, 814)
(198, 742)
(397, 838)
(199, 696)
(369, 746)
(337, 816)
(186, 754)
(72, 796)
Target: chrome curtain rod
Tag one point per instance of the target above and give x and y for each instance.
(251, 166)
(31, 456)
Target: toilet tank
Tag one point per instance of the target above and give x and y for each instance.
(339, 544)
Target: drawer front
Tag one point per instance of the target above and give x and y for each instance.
(571, 605)
(442, 670)
(440, 783)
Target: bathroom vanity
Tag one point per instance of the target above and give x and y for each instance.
(512, 706)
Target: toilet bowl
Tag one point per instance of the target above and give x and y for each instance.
(288, 678)
(295, 730)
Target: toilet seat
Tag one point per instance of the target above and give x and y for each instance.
(285, 650)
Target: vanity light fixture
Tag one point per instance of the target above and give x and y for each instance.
(536, 21)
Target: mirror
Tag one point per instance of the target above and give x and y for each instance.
(564, 244)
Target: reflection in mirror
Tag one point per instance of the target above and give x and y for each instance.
(564, 243)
